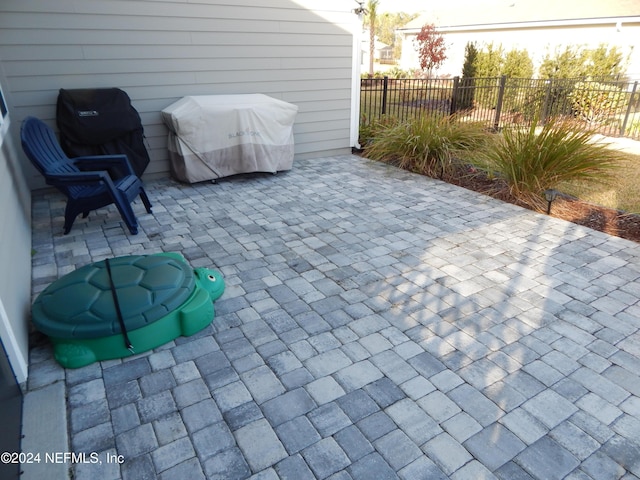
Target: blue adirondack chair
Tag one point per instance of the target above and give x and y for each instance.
(85, 181)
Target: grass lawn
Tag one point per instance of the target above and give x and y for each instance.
(622, 192)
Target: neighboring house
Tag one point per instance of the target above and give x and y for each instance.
(539, 26)
(299, 51)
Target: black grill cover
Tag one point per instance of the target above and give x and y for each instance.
(101, 121)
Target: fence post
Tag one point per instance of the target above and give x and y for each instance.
(623, 129)
(454, 96)
(545, 106)
(503, 82)
(385, 89)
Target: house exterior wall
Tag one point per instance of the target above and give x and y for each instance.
(158, 51)
(536, 39)
(15, 253)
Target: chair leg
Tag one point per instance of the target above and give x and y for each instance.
(126, 212)
(145, 200)
(69, 217)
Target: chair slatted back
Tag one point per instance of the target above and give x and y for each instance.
(43, 149)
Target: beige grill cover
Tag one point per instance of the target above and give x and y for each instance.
(214, 136)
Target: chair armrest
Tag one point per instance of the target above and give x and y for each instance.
(103, 162)
(79, 178)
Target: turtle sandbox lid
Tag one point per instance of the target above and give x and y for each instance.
(159, 297)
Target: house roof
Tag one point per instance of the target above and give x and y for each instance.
(496, 12)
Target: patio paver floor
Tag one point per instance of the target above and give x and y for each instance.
(376, 324)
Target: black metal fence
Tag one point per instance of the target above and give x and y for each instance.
(610, 107)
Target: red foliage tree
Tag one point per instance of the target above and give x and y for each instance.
(430, 47)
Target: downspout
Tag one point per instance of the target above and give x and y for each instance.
(355, 80)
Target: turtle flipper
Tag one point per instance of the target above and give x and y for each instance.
(72, 355)
(197, 313)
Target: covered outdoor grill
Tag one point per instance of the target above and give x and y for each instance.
(101, 121)
(214, 136)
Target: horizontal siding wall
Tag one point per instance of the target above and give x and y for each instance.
(159, 51)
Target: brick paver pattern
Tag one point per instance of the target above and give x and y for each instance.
(376, 325)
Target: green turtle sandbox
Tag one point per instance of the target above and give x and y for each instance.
(115, 307)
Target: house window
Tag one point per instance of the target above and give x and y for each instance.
(4, 117)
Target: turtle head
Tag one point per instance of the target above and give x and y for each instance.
(211, 281)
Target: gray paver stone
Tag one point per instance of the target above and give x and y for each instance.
(397, 449)
(262, 383)
(384, 392)
(327, 363)
(447, 453)
(156, 406)
(376, 425)
(413, 421)
(294, 467)
(260, 445)
(228, 465)
(169, 428)
(357, 405)
(288, 406)
(137, 441)
(297, 434)
(192, 392)
(124, 418)
(212, 439)
(200, 415)
(558, 461)
(494, 446)
(550, 408)
(329, 419)
(242, 415)
(353, 442)
(172, 454)
(142, 467)
(95, 439)
(476, 404)
(438, 406)
(524, 425)
(325, 390)
(157, 382)
(372, 466)
(231, 396)
(190, 469)
(325, 457)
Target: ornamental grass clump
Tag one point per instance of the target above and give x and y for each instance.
(429, 144)
(533, 160)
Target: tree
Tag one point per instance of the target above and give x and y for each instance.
(605, 62)
(577, 62)
(467, 86)
(387, 25)
(431, 48)
(517, 64)
(489, 61)
(372, 14)
(567, 63)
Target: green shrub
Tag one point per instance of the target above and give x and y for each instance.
(594, 102)
(633, 129)
(371, 128)
(397, 73)
(531, 162)
(428, 144)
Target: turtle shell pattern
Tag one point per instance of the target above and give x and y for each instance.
(81, 304)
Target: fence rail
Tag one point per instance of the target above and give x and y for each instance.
(611, 107)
